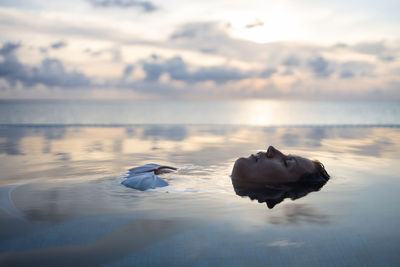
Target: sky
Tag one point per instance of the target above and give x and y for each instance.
(220, 49)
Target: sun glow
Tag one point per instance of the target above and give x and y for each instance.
(261, 112)
(277, 24)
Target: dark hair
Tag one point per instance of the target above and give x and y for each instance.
(316, 179)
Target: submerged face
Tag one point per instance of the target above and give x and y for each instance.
(271, 166)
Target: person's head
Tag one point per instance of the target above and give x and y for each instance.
(273, 166)
(273, 176)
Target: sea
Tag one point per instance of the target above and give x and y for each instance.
(62, 202)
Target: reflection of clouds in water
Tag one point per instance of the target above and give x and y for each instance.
(51, 133)
(290, 139)
(14, 135)
(352, 133)
(174, 133)
(375, 142)
(202, 145)
(284, 243)
(63, 156)
(130, 132)
(377, 148)
(218, 130)
(316, 133)
(269, 130)
(110, 241)
(11, 147)
(299, 214)
(192, 144)
(95, 146)
(55, 202)
(117, 146)
(315, 136)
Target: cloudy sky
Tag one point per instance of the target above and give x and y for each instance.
(219, 49)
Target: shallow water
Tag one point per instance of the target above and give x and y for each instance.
(71, 210)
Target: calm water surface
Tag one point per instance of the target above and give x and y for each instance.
(250, 112)
(69, 209)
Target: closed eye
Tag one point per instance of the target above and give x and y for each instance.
(288, 161)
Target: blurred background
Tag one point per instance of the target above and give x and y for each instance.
(208, 50)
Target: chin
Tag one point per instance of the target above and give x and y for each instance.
(239, 169)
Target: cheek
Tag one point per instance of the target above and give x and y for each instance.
(270, 169)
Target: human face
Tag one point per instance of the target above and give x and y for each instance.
(271, 166)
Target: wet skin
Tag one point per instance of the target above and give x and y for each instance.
(271, 166)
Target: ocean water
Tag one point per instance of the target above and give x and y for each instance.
(62, 203)
(256, 112)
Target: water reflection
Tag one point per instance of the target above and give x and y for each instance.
(41, 148)
(174, 133)
(273, 194)
(11, 137)
(129, 238)
(300, 213)
(73, 203)
(182, 138)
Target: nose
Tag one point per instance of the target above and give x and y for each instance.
(273, 152)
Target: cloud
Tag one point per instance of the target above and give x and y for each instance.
(371, 48)
(387, 57)
(54, 46)
(216, 39)
(188, 31)
(50, 72)
(9, 48)
(128, 71)
(378, 49)
(58, 45)
(244, 68)
(153, 70)
(64, 27)
(258, 23)
(113, 52)
(320, 67)
(213, 38)
(145, 5)
(43, 50)
(93, 53)
(174, 77)
(116, 54)
(291, 61)
(351, 69)
(267, 72)
(217, 74)
(346, 74)
(178, 70)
